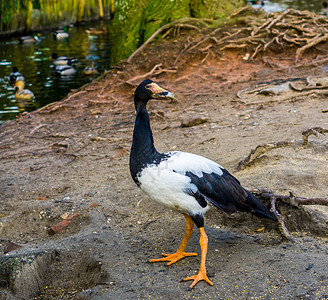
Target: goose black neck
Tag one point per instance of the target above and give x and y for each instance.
(143, 151)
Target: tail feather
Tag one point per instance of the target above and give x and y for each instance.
(258, 208)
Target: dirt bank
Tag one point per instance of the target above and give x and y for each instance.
(72, 157)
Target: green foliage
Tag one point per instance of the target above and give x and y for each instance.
(158, 13)
(15, 15)
(136, 20)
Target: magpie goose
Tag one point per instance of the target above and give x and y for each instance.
(184, 182)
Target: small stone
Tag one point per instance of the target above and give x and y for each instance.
(66, 198)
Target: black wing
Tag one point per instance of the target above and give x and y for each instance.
(225, 192)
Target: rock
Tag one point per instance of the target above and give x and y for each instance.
(275, 90)
(193, 121)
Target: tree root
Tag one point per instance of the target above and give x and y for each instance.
(177, 23)
(258, 151)
(156, 70)
(313, 63)
(311, 43)
(266, 32)
(57, 105)
(264, 148)
(310, 131)
(290, 199)
(238, 11)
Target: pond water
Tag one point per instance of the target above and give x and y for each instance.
(35, 63)
(280, 5)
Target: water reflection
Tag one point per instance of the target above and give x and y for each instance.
(281, 5)
(34, 61)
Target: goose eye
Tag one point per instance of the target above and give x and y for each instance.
(148, 86)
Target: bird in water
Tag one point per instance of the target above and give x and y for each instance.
(96, 31)
(61, 60)
(61, 33)
(65, 69)
(184, 182)
(21, 93)
(15, 76)
(90, 70)
(29, 39)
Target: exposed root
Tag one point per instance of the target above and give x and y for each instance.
(176, 23)
(239, 11)
(156, 70)
(290, 199)
(258, 151)
(264, 33)
(313, 63)
(311, 43)
(261, 149)
(310, 131)
(151, 72)
(37, 128)
(282, 227)
(54, 106)
(96, 103)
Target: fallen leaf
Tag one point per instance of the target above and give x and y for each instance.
(65, 215)
(260, 229)
(122, 151)
(60, 226)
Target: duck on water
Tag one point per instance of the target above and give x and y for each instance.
(21, 93)
(184, 182)
(15, 76)
(64, 70)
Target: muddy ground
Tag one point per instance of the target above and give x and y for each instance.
(72, 157)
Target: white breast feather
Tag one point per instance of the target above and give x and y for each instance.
(166, 183)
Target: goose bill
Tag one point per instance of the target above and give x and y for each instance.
(159, 93)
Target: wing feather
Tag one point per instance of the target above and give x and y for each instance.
(216, 185)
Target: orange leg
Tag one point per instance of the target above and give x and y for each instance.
(174, 257)
(203, 241)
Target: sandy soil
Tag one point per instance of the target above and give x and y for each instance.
(72, 157)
